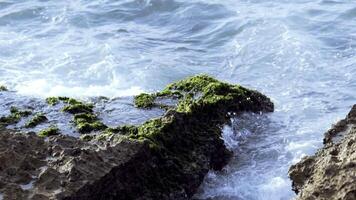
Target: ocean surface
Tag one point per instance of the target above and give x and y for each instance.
(301, 53)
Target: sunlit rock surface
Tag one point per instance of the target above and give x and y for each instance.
(330, 174)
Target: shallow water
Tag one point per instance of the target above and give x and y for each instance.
(301, 53)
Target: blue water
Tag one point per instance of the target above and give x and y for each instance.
(301, 53)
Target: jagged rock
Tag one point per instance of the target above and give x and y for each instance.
(164, 158)
(330, 174)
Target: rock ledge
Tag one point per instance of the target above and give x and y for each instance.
(330, 173)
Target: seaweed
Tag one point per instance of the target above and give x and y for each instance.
(15, 116)
(3, 88)
(50, 131)
(36, 120)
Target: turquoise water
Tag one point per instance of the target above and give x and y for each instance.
(301, 53)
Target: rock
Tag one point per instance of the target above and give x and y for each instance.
(330, 173)
(164, 158)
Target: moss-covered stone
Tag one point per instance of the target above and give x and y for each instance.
(123, 130)
(84, 117)
(189, 135)
(88, 122)
(144, 100)
(53, 130)
(15, 116)
(3, 88)
(89, 127)
(55, 100)
(36, 120)
(203, 91)
(164, 158)
(52, 101)
(78, 108)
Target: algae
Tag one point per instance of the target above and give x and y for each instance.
(84, 119)
(89, 127)
(202, 109)
(144, 100)
(53, 130)
(3, 88)
(197, 92)
(88, 122)
(52, 101)
(76, 108)
(36, 120)
(15, 116)
(56, 100)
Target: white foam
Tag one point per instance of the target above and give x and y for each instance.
(277, 188)
(229, 137)
(45, 88)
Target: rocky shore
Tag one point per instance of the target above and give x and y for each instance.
(164, 158)
(330, 174)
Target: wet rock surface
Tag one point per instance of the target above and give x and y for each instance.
(331, 172)
(59, 166)
(164, 158)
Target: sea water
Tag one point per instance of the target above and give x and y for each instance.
(301, 53)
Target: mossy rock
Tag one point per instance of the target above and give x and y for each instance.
(89, 127)
(172, 153)
(39, 118)
(3, 88)
(88, 122)
(52, 100)
(56, 100)
(53, 130)
(202, 92)
(15, 116)
(144, 100)
(78, 108)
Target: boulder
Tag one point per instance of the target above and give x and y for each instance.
(164, 158)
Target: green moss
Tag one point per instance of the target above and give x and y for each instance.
(192, 84)
(15, 116)
(64, 99)
(20, 113)
(144, 100)
(152, 131)
(76, 108)
(53, 130)
(168, 93)
(36, 120)
(87, 122)
(84, 117)
(195, 93)
(203, 91)
(202, 98)
(52, 100)
(3, 88)
(186, 142)
(72, 101)
(89, 127)
(123, 130)
(55, 100)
